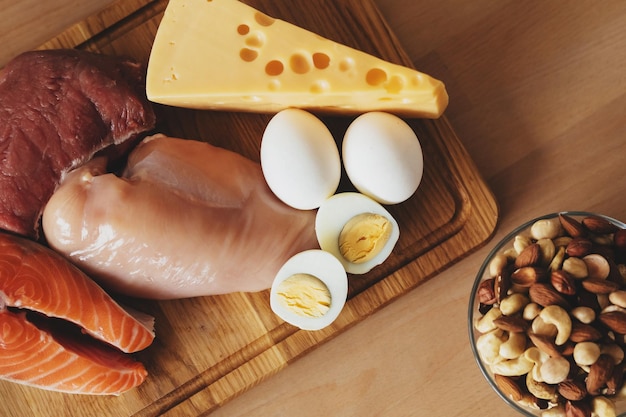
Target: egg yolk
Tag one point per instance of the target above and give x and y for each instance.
(305, 295)
(364, 236)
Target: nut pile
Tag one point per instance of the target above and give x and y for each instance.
(552, 319)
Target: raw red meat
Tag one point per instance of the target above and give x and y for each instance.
(57, 109)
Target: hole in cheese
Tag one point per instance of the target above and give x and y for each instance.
(274, 68)
(321, 60)
(299, 63)
(274, 85)
(320, 86)
(375, 76)
(346, 64)
(263, 19)
(255, 40)
(243, 29)
(248, 54)
(396, 84)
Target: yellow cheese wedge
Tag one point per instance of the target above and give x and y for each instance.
(226, 55)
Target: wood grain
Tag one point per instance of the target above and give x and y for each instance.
(538, 95)
(210, 350)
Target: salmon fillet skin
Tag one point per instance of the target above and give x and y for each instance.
(57, 109)
(59, 330)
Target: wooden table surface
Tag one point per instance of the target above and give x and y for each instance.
(538, 97)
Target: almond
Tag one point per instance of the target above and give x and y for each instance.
(486, 292)
(614, 320)
(502, 284)
(599, 225)
(545, 295)
(567, 349)
(527, 276)
(579, 247)
(572, 390)
(509, 387)
(615, 381)
(544, 344)
(530, 256)
(572, 226)
(584, 333)
(619, 240)
(511, 324)
(577, 409)
(563, 282)
(599, 374)
(599, 285)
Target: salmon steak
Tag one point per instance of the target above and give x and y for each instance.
(59, 330)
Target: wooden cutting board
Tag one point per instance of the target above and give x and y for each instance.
(209, 350)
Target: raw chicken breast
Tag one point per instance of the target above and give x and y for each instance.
(59, 330)
(57, 109)
(186, 219)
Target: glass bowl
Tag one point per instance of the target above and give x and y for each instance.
(522, 263)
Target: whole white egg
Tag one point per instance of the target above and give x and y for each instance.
(337, 212)
(300, 159)
(383, 157)
(310, 290)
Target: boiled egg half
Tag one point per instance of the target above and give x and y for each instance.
(310, 290)
(357, 230)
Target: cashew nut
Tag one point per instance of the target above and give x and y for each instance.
(513, 367)
(537, 357)
(558, 411)
(604, 240)
(510, 253)
(555, 370)
(546, 229)
(612, 307)
(603, 301)
(513, 304)
(603, 407)
(586, 353)
(540, 390)
(618, 298)
(547, 249)
(557, 260)
(562, 241)
(514, 346)
(520, 243)
(557, 316)
(485, 323)
(531, 311)
(584, 314)
(497, 264)
(539, 326)
(488, 346)
(576, 267)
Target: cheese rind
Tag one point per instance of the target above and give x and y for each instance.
(226, 55)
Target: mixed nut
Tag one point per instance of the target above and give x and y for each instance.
(552, 317)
